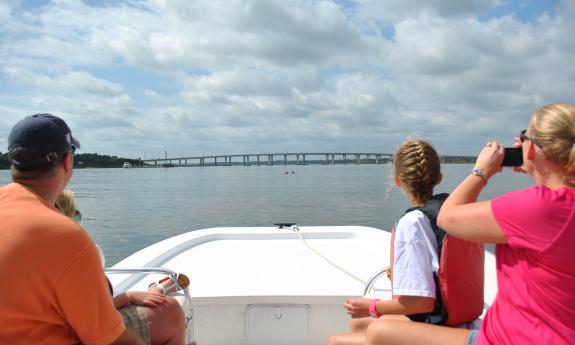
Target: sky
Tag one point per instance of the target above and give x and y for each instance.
(136, 78)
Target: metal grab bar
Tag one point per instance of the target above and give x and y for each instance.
(374, 277)
(133, 270)
(174, 276)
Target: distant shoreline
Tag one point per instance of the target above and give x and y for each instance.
(94, 160)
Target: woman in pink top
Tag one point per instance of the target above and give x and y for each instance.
(534, 233)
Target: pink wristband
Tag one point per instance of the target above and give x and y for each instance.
(373, 308)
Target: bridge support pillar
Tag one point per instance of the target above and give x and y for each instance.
(344, 158)
(285, 159)
(357, 160)
(332, 159)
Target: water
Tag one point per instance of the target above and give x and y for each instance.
(128, 209)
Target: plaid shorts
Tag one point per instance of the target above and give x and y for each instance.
(136, 320)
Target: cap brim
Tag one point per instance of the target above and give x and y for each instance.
(75, 142)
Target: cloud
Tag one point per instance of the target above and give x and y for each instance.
(72, 82)
(219, 77)
(396, 10)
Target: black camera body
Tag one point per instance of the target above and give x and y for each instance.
(513, 157)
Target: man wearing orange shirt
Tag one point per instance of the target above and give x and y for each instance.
(53, 289)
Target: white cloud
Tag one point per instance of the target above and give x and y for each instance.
(77, 83)
(401, 9)
(230, 76)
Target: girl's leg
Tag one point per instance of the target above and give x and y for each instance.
(358, 328)
(355, 338)
(167, 323)
(360, 325)
(395, 332)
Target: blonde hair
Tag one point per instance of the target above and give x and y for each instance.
(65, 203)
(553, 130)
(416, 167)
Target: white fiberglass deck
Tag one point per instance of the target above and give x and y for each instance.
(260, 262)
(265, 286)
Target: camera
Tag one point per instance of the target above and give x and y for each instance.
(513, 157)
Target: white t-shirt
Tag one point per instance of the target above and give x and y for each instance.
(415, 256)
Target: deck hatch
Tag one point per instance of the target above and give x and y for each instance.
(281, 324)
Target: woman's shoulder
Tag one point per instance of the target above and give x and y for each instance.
(540, 194)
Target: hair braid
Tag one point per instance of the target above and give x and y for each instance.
(417, 168)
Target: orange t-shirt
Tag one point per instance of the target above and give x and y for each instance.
(52, 288)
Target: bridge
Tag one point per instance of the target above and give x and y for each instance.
(297, 158)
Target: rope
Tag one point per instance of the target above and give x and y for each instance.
(295, 229)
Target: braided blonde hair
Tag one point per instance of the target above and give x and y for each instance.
(553, 130)
(416, 167)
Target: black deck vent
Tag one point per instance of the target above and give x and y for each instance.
(284, 225)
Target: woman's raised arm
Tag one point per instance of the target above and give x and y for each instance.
(461, 215)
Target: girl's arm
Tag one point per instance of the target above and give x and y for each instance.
(461, 215)
(145, 298)
(401, 305)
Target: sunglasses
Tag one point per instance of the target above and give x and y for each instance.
(523, 137)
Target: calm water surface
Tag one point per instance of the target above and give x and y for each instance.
(128, 209)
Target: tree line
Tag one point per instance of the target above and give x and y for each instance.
(86, 160)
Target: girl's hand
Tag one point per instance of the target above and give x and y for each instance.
(357, 307)
(490, 159)
(147, 299)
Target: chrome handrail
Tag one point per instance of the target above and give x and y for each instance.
(374, 277)
(173, 276)
(132, 270)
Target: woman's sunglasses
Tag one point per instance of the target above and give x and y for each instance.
(523, 137)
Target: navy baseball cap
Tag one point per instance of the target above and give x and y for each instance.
(46, 134)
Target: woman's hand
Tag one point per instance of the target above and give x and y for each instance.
(490, 159)
(518, 144)
(145, 298)
(357, 307)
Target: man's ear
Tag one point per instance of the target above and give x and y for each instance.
(68, 162)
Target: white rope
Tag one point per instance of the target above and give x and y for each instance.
(295, 229)
(190, 316)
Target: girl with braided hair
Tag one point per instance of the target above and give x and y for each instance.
(414, 250)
